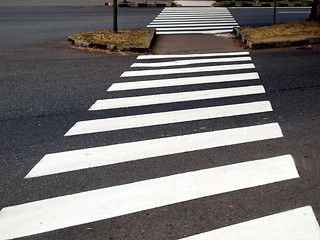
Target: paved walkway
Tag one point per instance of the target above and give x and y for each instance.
(198, 43)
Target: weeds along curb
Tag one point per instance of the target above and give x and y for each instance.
(280, 44)
(144, 49)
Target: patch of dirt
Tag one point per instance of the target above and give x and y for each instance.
(131, 38)
(294, 31)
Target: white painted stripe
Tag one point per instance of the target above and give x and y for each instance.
(194, 32)
(192, 55)
(136, 121)
(194, 61)
(193, 11)
(113, 154)
(193, 24)
(71, 210)
(165, 11)
(194, 8)
(114, 103)
(182, 81)
(186, 70)
(195, 3)
(194, 20)
(191, 17)
(296, 224)
(213, 10)
(195, 28)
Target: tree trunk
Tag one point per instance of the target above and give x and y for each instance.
(315, 11)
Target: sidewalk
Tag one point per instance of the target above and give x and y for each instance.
(195, 43)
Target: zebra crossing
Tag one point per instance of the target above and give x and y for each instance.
(193, 20)
(169, 71)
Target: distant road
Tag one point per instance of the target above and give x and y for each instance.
(34, 22)
(24, 24)
(264, 15)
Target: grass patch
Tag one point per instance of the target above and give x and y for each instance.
(130, 38)
(294, 31)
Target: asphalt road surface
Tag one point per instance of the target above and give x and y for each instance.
(47, 87)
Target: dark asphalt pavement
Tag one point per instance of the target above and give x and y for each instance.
(48, 86)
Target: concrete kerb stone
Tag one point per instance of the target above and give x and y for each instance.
(144, 49)
(276, 44)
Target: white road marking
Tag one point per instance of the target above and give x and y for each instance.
(195, 9)
(296, 224)
(192, 55)
(194, 20)
(183, 15)
(111, 124)
(177, 15)
(163, 13)
(194, 28)
(195, 3)
(193, 61)
(71, 210)
(195, 12)
(192, 25)
(182, 81)
(191, 17)
(187, 70)
(114, 103)
(169, 23)
(194, 32)
(113, 154)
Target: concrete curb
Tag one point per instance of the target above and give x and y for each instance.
(281, 44)
(144, 49)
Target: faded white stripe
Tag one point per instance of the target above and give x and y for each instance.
(296, 224)
(70, 210)
(175, 97)
(101, 156)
